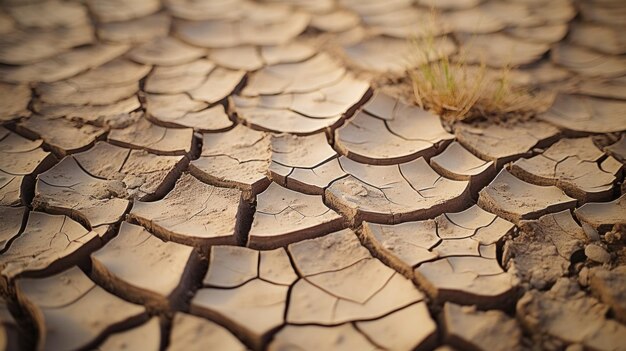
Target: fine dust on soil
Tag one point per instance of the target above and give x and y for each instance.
(252, 174)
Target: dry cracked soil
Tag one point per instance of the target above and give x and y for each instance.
(253, 175)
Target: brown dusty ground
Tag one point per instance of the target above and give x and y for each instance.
(229, 175)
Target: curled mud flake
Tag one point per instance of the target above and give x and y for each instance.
(312, 337)
(11, 225)
(142, 268)
(194, 213)
(571, 165)
(165, 51)
(61, 135)
(135, 31)
(284, 216)
(586, 62)
(304, 163)
(21, 160)
(247, 58)
(290, 52)
(586, 34)
(548, 34)
(445, 255)
(342, 287)
(502, 144)
(66, 188)
(145, 337)
(179, 110)
(586, 114)
(456, 163)
(467, 328)
(602, 216)
(146, 136)
(122, 10)
(243, 299)
(472, 20)
(71, 312)
(191, 333)
(611, 88)
(50, 14)
(145, 176)
(384, 55)
(449, 4)
(47, 244)
(236, 158)
(545, 249)
(392, 194)
(64, 65)
(605, 13)
(567, 314)
(515, 200)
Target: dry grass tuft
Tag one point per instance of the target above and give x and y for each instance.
(459, 91)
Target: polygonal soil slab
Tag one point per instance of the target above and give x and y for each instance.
(588, 62)
(13, 219)
(306, 164)
(246, 290)
(194, 213)
(393, 194)
(156, 139)
(573, 166)
(14, 101)
(388, 131)
(145, 176)
(456, 163)
(135, 31)
(342, 282)
(20, 161)
(191, 333)
(199, 79)
(618, 150)
(513, 199)
(47, 244)
(501, 50)
(301, 98)
(285, 216)
(64, 65)
(66, 188)
(71, 312)
(236, 158)
(586, 35)
(381, 54)
(504, 143)
(119, 10)
(107, 84)
(545, 249)
(117, 115)
(314, 337)
(467, 328)
(145, 337)
(165, 51)
(61, 135)
(250, 58)
(254, 24)
(142, 268)
(586, 114)
(452, 256)
(566, 313)
(179, 110)
(603, 215)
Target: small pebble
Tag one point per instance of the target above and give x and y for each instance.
(597, 253)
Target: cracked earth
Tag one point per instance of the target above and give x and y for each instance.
(235, 174)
